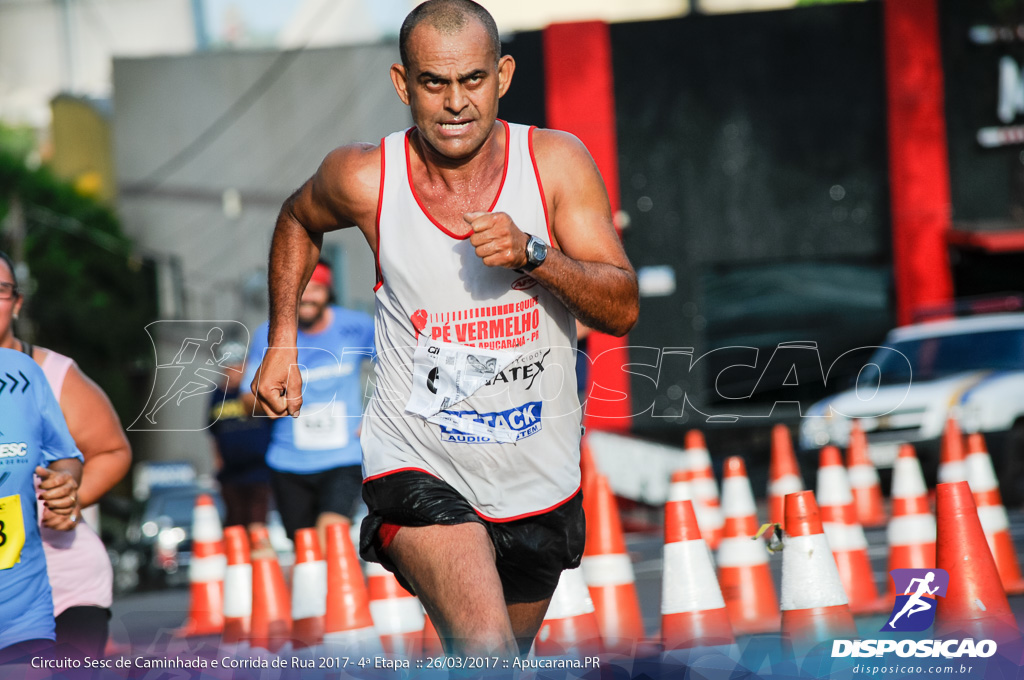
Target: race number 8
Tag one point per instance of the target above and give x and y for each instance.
(12, 531)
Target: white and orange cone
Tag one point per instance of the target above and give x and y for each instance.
(952, 463)
(609, 573)
(348, 624)
(994, 521)
(783, 475)
(867, 489)
(309, 590)
(743, 571)
(975, 604)
(237, 586)
(397, 614)
(271, 603)
(911, 531)
(704, 489)
(693, 612)
(813, 602)
(206, 572)
(570, 626)
(846, 535)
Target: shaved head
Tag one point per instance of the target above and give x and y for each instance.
(447, 17)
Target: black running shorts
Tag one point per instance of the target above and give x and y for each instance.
(302, 498)
(530, 552)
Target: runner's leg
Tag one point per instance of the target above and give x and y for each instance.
(452, 569)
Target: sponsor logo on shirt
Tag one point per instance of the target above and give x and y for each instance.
(528, 370)
(524, 282)
(14, 450)
(522, 420)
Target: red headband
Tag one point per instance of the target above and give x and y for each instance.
(321, 275)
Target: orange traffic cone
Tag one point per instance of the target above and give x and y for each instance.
(397, 614)
(985, 486)
(975, 604)
(911, 532)
(609, 573)
(588, 468)
(867, 490)
(570, 626)
(846, 535)
(237, 586)
(704, 489)
(206, 572)
(271, 604)
(309, 590)
(347, 622)
(693, 612)
(784, 474)
(952, 467)
(822, 612)
(743, 571)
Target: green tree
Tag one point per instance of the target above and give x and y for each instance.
(89, 296)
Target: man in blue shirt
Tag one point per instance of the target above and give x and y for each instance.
(315, 459)
(32, 434)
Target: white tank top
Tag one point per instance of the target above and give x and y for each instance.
(446, 326)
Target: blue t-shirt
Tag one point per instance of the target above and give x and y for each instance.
(325, 434)
(32, 432)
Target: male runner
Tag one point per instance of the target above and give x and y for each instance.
(490, 238)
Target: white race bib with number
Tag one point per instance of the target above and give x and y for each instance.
(325, 427)
(444, 374)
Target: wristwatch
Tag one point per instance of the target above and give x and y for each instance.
(536, 253)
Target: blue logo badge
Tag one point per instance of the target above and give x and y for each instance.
(915, 600)
(515, 423)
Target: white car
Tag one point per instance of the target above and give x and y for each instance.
(971, 368)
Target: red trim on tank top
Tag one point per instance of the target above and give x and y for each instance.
(540, 185)
(502, 520)
(423, 208)
(405, 469)
(376, 223)
(495, 520)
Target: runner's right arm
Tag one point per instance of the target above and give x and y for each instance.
(343, 193)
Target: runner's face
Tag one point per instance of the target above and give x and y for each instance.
(312, 304)
(10, 307)
(452, 87)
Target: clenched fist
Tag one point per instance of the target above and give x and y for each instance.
(497, 239)
(278, 383)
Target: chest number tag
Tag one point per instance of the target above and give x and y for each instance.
(12, 531)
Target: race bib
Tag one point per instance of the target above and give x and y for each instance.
(326, 427)
(444, 374)
(12, 531)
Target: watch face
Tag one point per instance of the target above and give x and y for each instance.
(537, 250)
